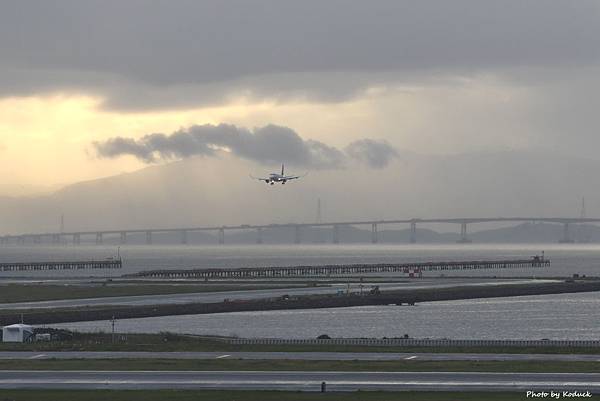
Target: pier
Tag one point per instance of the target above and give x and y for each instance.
(412, 269)
(43, 266)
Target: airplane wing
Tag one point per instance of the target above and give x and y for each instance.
(294, 177)
(259, 178)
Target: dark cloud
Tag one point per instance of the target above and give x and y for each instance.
(267, 145)
(376, 154)
(149, 54)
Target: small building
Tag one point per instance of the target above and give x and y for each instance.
(17, 333)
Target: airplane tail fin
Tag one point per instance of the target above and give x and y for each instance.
(282, 169)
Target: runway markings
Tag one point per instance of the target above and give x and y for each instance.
(37, 356)
(410, 357)
(222, 356)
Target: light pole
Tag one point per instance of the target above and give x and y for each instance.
(113, 328)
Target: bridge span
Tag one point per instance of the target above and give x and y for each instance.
(97, 236)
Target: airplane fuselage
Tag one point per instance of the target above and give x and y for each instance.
(276, 177)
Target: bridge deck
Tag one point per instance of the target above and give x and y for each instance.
(77, 265)
(459, 220)
(327, 270)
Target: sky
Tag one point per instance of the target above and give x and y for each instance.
(91, 89)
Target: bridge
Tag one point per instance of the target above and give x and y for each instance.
(97, 236)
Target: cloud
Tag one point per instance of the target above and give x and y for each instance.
(266, 145)
(376, 154)
(143, 54)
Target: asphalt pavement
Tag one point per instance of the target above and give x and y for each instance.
(306, 356)
(301, 381)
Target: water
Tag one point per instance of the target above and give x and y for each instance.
(564, 316)
(566, 259)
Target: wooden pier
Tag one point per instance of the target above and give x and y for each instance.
(46, 266)
(412, 269)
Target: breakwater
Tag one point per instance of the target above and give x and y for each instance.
(400, 297)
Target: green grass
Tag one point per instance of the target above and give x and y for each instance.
(42, 292)
(295, 365)
(208, 395)
(164, 342)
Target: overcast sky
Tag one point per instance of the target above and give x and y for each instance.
(96, 88)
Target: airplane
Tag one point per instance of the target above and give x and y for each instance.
(276, 177)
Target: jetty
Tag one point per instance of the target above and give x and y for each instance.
(73, 265)
(410, 269)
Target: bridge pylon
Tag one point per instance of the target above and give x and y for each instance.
(184, 238)
(566, 238)
(413, 232)
(336, 234)
(259, 235)
(297, 234)
(374, 233)
(464, 239)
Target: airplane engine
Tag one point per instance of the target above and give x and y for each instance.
(283, 182)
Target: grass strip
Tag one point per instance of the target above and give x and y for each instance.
(225, 395)
(163, 342)
(10, 293)
(301, 365)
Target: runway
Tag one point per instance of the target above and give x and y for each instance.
(305, 356)
(208, 297)
(301, 381)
